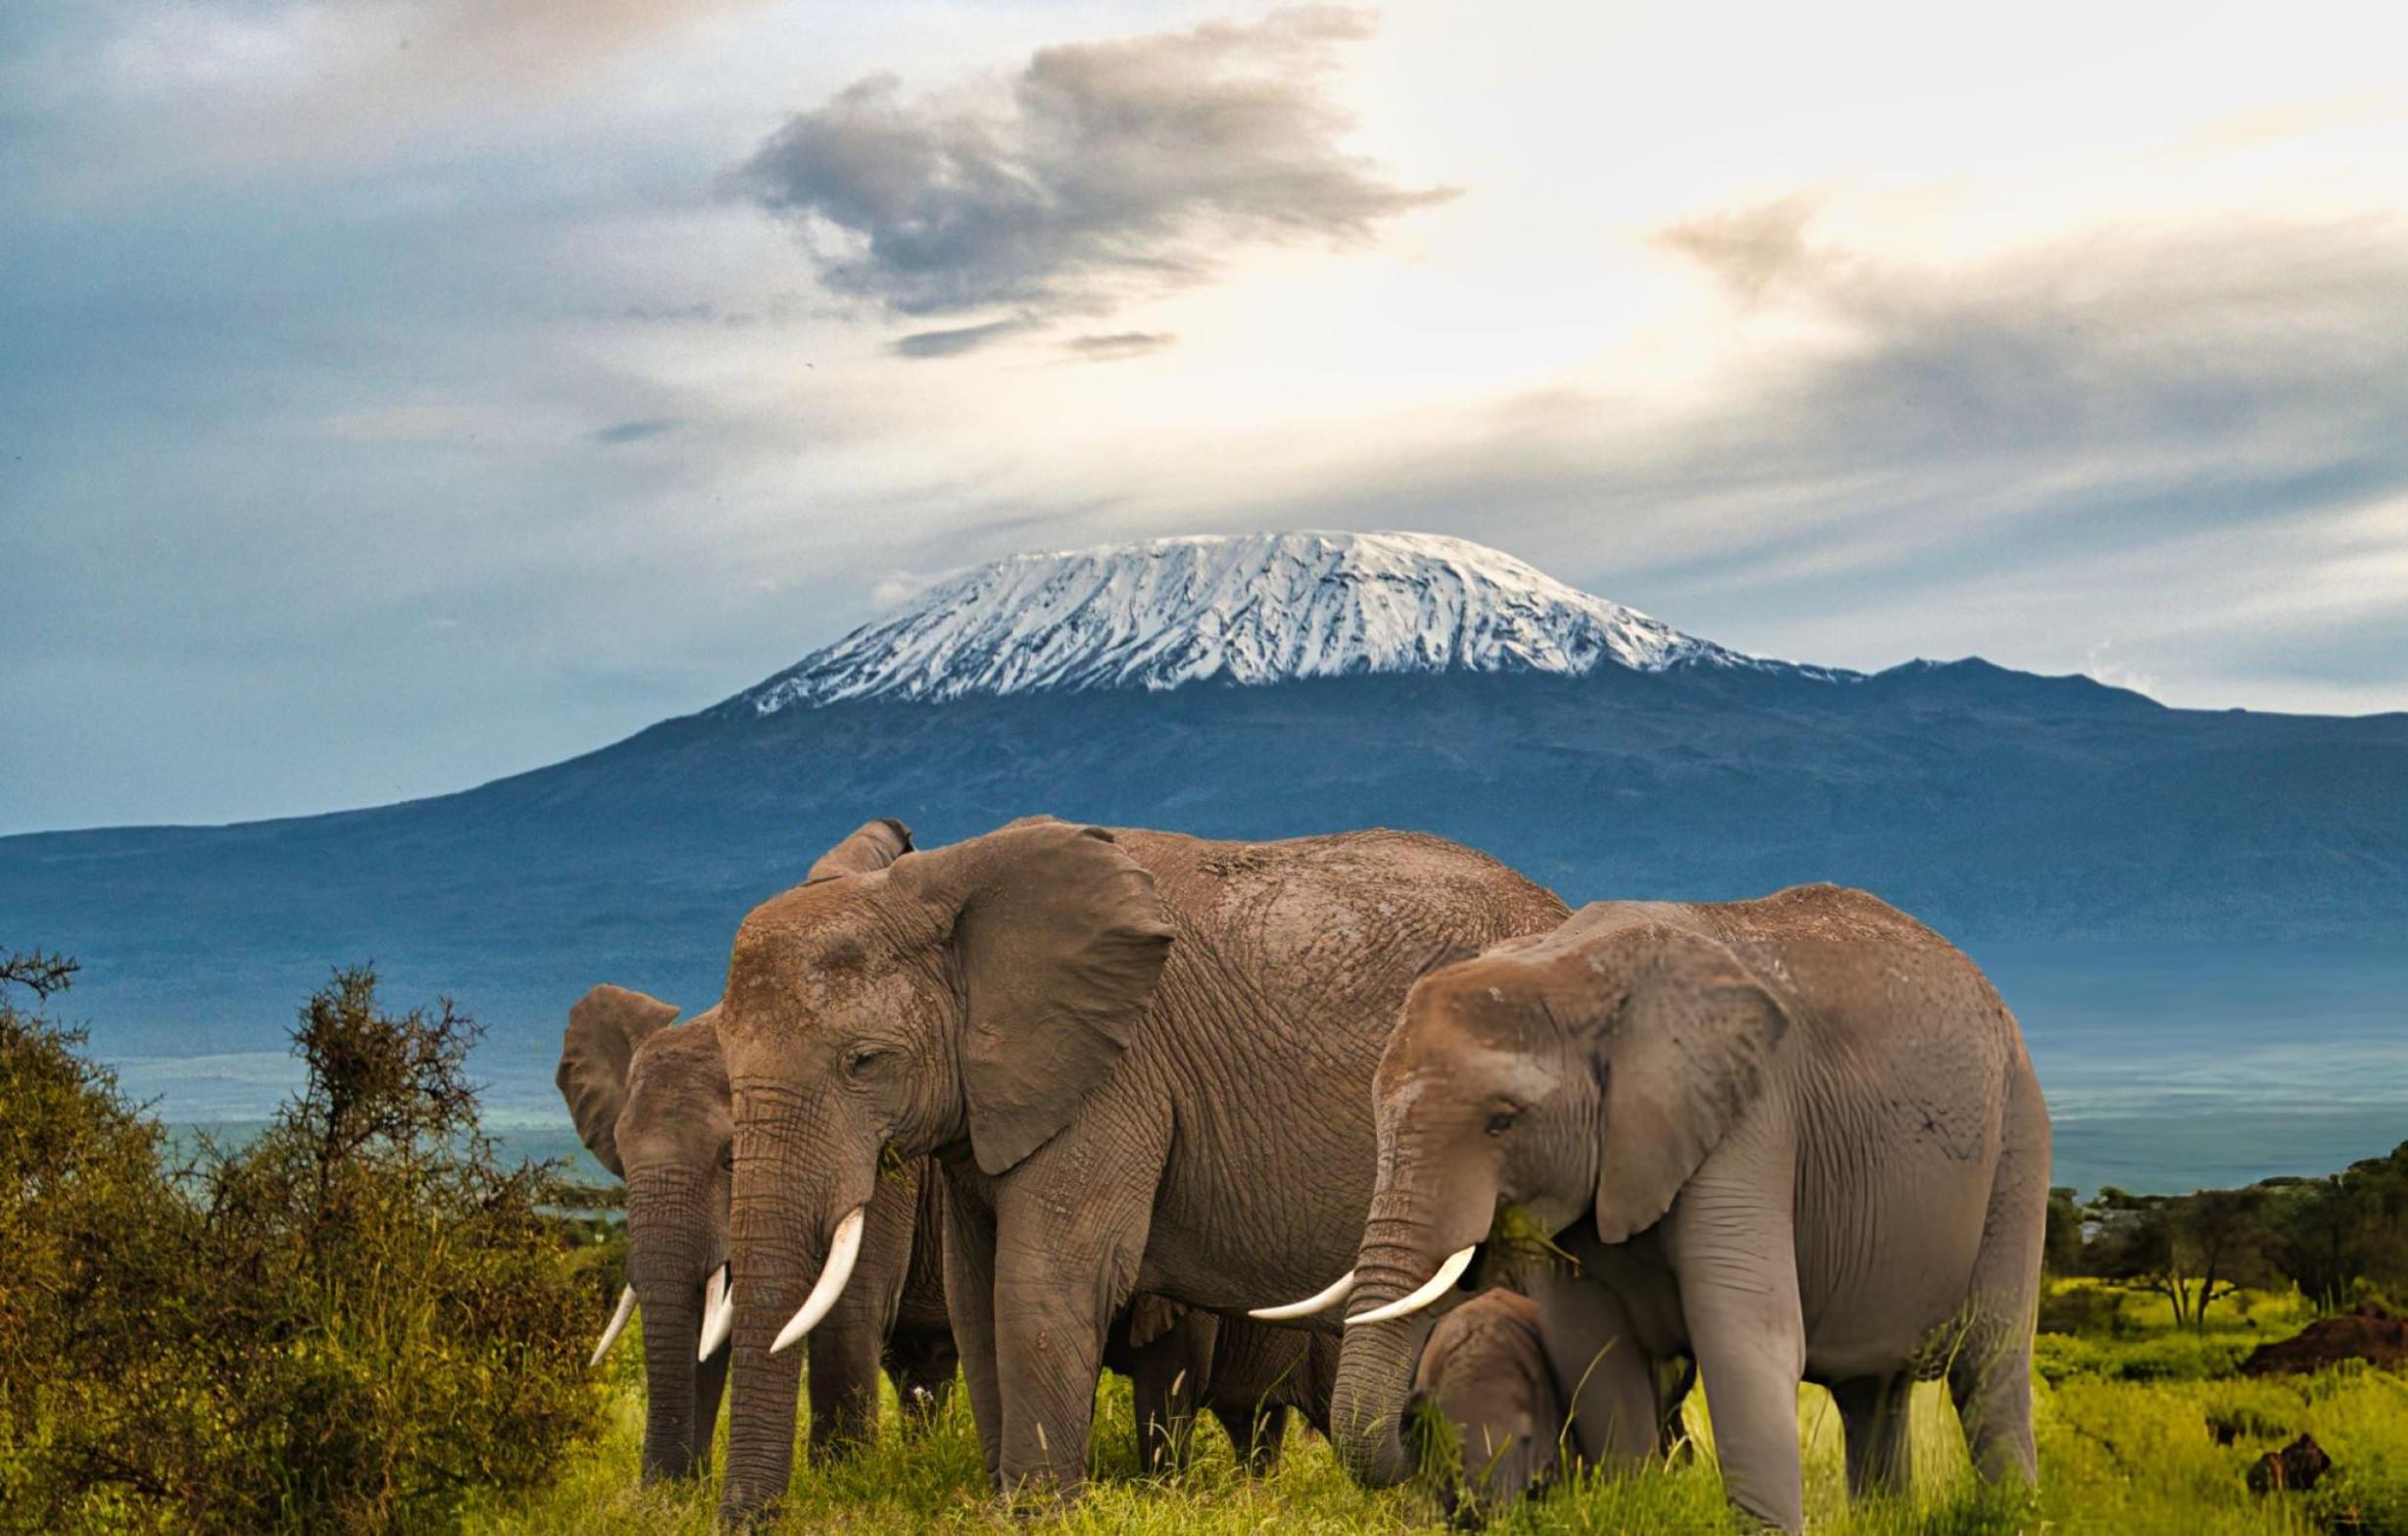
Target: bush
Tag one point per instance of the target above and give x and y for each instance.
(360, 1320)
(98, 1417)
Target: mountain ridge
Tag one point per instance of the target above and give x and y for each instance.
(1996, 805)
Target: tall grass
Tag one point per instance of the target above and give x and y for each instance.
(2118, 1456)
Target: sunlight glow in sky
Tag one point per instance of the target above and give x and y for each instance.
(397, 393)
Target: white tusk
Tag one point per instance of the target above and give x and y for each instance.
(844, 1248)
(1318, 1300)
(719, 1312)
(1432, 1289)
(619, 1325)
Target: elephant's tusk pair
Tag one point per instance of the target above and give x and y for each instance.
(1431, 1290)
(618, 1327)
(843, 1249)
(1319, 1300)
(719, 1312)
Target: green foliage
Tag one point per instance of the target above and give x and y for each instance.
(96, 1255)
(2340, 1239)
(2061, 1244)
(357, 1321)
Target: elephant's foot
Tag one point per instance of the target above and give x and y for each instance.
(1037, 1497)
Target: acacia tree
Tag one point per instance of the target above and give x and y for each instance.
(2192, 1250)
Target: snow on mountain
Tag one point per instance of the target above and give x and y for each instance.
(1242, 609)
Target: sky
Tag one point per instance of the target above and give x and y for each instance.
(399, 393)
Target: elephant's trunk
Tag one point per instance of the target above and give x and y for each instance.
(782, 1221)
(667, 1238)
(1375, 1364)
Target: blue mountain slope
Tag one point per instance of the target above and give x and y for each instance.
(1996, 805)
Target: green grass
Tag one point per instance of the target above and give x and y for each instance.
(2124, 1422)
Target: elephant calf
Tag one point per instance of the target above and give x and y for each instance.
(1484, 1374)
(1797, 1138)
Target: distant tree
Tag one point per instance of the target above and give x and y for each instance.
(2334, 1234)
(2061, 1245)
(2192, 1250)
(2319, 1237)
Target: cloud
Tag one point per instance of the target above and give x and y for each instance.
(2176, 441)
(1749, 248)
(954, 342)
(1108, 171)
(636, 432)
(1118, 346)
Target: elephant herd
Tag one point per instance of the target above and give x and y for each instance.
(1058, 1098)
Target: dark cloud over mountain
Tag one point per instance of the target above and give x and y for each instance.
(1107, 169)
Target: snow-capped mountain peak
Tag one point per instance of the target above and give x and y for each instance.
(1244, 608)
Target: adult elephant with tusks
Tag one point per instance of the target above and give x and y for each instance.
(1795, 1139)
(1143, 1060)
(651, 1102)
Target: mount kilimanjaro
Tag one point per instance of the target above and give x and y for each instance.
(1257, 687)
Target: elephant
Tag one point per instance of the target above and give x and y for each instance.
(1794, 1138)
(1485, 1376)
(652, 1103)
(1143, 1062)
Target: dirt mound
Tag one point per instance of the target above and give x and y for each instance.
(2369, 1334)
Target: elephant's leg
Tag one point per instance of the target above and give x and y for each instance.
(1990, 1373)
(1256, 1430)
(847, 1348)
(1602, 1375)
(969, 1298)
(1733, 1248)
(1070, 1229)
(1875, 1413)
(1258, 1373)
(1166, 1379)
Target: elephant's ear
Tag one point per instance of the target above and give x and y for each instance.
(1060, 939)
(1151, 1317)
(604, 1026)
(872, 846)
(1678, 1062)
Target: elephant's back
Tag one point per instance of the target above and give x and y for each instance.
(1860, 974)
(1287, 976)
(1290, 902)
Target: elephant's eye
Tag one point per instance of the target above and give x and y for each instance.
(1503, 1122)
(862, 1057)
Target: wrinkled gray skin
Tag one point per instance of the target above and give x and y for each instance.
(1794, 1138)
(651, 1102)
(1143, 1060)
(1484, 1373)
